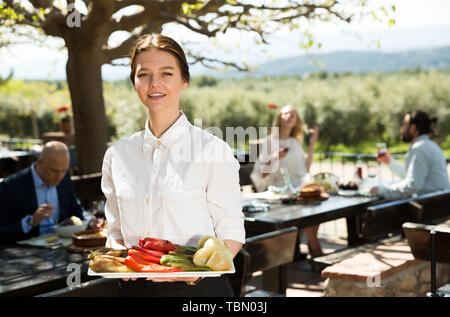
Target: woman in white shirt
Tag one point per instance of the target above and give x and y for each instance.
(172, 180)
(283, 149)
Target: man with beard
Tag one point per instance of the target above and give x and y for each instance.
(425, 167)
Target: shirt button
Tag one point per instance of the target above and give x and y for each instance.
(147, 200)
(158, 142)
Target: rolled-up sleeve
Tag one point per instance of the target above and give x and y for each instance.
(413, 181)
(223, 196)
(112, 213)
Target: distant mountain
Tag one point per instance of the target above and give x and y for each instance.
(356, 62)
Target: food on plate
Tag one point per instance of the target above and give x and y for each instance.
(72, 221)
(157, 244)
(93, 235)
(107, 251)
(324, 176)
(311, 191)
(162, 256)
(109, 264)
(182, 263)
(325, 180)
(89, 238)
(144, 256)
(154, 253)
(51, 239)
(213, 253)
(137, 263)
(348, 184)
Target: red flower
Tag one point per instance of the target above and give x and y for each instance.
(62, 109)
(272, 106)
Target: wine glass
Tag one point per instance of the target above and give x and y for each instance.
(381, 149)
(372, 172)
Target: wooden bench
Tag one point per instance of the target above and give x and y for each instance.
(269, 252)
(435, 205)
(88, 189)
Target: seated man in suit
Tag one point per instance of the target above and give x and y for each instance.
(34, 200)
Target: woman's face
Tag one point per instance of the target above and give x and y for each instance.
(158, 80)
(288, 117)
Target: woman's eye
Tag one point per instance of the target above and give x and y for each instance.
(167, 74)
(142, 75)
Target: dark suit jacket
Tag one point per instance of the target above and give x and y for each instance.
(18, 199)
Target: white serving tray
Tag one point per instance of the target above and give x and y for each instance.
(173, 274)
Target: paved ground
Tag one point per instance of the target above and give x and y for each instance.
(304, 280)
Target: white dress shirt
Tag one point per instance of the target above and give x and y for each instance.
(179, 187)
(424, 171)
(294, 162)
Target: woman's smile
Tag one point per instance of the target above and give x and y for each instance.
(158, 80)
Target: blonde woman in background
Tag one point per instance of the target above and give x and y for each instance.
(283, 148)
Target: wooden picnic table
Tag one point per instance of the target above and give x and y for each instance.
(307, 214)
(304, 215)
(30, 271)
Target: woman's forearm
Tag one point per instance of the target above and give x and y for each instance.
(234, 246)
(310, 156)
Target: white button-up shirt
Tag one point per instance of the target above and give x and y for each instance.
(179, 187)
(294, 162)
(424, 171)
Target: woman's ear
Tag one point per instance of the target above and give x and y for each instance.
(184, 85)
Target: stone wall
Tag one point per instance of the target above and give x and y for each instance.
(412, 282)
(388, 270)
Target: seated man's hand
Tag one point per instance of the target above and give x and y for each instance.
(385, 158)
(96, 223)
(44, 211)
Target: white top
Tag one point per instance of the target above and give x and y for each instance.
(294, 162)
(179, 187)
(424, 171)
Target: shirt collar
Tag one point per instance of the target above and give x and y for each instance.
(422, 137)
(37, 180)
(174, 133)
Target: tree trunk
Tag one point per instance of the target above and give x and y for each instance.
(34, 125)
(84, 79)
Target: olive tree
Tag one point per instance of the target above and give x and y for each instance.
(86, 37)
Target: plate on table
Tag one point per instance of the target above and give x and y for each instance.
(40, 242)
(173, 274)
(347, 192)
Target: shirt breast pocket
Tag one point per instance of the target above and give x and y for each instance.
(130, 203)
(185, 215)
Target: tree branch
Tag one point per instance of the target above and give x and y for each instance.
(123, 50)
(205, 60)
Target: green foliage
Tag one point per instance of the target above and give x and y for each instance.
(353, 111)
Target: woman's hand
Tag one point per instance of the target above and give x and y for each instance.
(314, 134)
(280, 154)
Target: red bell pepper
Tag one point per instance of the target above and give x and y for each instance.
(142, 257)
(157, 244)
(154, 253)
(131, 263)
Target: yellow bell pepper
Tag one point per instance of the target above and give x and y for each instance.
(213, 253)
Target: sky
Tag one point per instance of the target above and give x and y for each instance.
(419, 24)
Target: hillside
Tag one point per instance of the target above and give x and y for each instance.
(357, 62)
